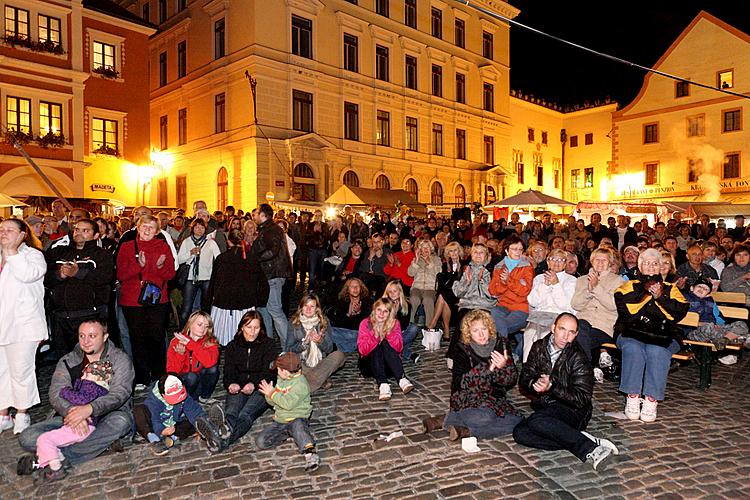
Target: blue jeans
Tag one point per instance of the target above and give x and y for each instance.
(482, 422)
(275, 309)
(122, 325)
(267, 321)
(645, 367)
(241, 412)
(111, 427)
(201, 384)
(189, 293)
(276, 433)
(507, 322)
(345, 339)
(315, 260)
(556, 427)
(409, 335)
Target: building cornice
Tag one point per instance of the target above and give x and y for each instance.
(64, 76)
(120, 23)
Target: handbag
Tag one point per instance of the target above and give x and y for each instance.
(150, 293)
(181, 277)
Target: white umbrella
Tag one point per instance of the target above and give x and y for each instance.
(7, 201)
(531, 198)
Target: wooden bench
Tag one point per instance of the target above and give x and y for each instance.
(691, 320)
(736, 298)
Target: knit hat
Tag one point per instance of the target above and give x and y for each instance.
(289, 361)
(102, 370)
(172, 390)
(704, 282)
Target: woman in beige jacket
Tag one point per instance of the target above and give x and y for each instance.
(424, 269)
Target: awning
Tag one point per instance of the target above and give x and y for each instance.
(381, 198)
(532, 198)
(719, 210)
(7, 201)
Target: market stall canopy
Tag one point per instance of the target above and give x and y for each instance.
(7, 201)
(532, 198)
(357, 196)
(604, 208)
(719, 210)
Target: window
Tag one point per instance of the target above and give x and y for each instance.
(351, 62)
(694, 169)
(588, 139)
(384, 128)
(460, 195)
(731, 168)
(411, 72)
(488, 95)
(544, 137)
(104, 134)
(539, 168)
(460, 144)
(573, 141)
(556, 174)
(650, 133)
(487, 45)
(220, 113)
(412, 136)
(49, 29)
(652, 173)
(696, 125)
(412, 188)
(681, 89)
(162, 11)
(222, 188)
(489, 150)
(303, 190)
(731, 120)
(725, 79)
(50, 118)
(410, 13)
(530, 134)
(302, 106)
(182, 5)
(460, 33)
(181, 191)
(461, 88)
(381, 63)
(382, 182)
(437, 139)
(351, 121)
(18, 114)
(162, 197)
(104, 55)
(182, 126)
(351, 179)
(181, 59)
(302, 37)
(436, 194)
(146, 12)
(219, 39)
(575, 180)
(162, 69)
(436, 21)
(16, 23)
(381, 7)
(521, 173)
(588, 177)
(437, 80)
(163, 133)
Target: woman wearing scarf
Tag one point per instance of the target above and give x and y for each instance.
(199, 253)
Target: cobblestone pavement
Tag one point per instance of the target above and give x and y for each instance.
(698, 447)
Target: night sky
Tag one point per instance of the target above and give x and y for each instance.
(636, 30)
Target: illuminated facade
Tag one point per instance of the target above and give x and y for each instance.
(71, 93)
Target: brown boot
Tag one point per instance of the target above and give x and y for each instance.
(458, 432)
(432, 424)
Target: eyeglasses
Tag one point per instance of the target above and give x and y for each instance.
(651, 263)
(558, 259)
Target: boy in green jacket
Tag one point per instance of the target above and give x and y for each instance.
(290, 400)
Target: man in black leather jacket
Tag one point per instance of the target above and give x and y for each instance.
(560, 379)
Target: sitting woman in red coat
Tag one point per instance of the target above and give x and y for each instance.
(194, 355)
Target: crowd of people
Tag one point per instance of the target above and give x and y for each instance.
(148, 305)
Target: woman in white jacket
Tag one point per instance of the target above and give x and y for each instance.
(22, 321)
(551, 294)
(198, 251)
(424, 269)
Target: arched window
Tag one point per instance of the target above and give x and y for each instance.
(436, 197)
(304, 186)
(460, 195)
(351, 179)
(412, 188)
(222, 189)
(382, 182)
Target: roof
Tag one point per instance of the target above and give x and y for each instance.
(110, 8)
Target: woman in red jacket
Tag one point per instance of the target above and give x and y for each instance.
(193, 354)
(147, 258)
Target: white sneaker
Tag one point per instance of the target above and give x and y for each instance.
(140, 387)
(729, 359)
(385, 392)
(598, 375)
(605, 360)
(6, 423)
(598, 455)
(648, 412)
(632, 408)
(405, 385)
(602, 442)
(22, 422)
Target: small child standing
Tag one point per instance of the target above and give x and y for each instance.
(93, 384)
(290, 400)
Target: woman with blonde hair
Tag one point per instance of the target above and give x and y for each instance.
(447, 302)
(395, 292)
(667, 267)
(193, 354)
(424, 269)
(380, 344)
(353, 305)
(482, 373)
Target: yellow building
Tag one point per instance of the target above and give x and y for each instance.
(681, 142)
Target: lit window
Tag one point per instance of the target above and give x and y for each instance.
(49, 29)
(588, 177)
(50, 118)
(16, 23)
(652, 174)
(18, 114)
(725, 79)
(104, 134)
(104, 56)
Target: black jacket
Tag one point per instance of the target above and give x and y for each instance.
(271, 251)
(631, 236)
(642, 317)
(249, 361)
(572, 377)
(235, 283)
(90, 287)
(339, 318)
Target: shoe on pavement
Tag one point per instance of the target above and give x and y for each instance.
(22, 422)
(208, 432)
(605, 360)
(633, 407)
(405, 385)
(219, 421)
(602, 442)
(47, 475)
(648, 411)
(729, 359)
(598, 455)
(598, 375)
(159, 448)
(415, 358)
(327, 384)
(432, 424)
(312, 461)
(6, 423)
(458, 432)
(385, 392)
(26, 465)
(140, 387)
